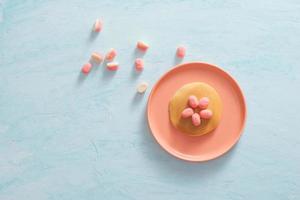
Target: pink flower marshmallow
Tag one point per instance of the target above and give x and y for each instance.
(197, 110)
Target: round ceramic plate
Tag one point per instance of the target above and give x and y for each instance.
(213, 144)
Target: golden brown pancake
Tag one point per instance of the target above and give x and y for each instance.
(180, 101)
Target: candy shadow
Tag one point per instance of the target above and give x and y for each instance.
(134, 73)
(81, 78)
(137, 98)
(177, 60)
(95, 65)
(93, 35)
(138, 53)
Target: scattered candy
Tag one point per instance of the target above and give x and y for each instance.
(142, 87)
(139, 64)
(186, 113)
(193, 101)
(98, 25)
(196, 119)
(112, 66)
(206, 114)
(180, 52)
(97, 57)
(142, 46)
(203, 102)
(86, 68)
(111, 54)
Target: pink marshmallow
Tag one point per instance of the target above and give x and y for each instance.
(206, 114)
(193, 101)
(196, 119)
(111, 54)
(142, 46)
(139, 64)
(112, 66)
(98, 25)
(187, 113)
(86, 68)
(203, 102)
(180, 52)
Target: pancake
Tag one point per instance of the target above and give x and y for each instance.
(180, 101)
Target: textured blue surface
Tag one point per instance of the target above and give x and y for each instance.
(65, 137)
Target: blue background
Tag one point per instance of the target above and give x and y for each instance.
(63, 136)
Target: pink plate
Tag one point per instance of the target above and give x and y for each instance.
(211, 145)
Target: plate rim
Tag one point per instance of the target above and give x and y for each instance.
(172, 151)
